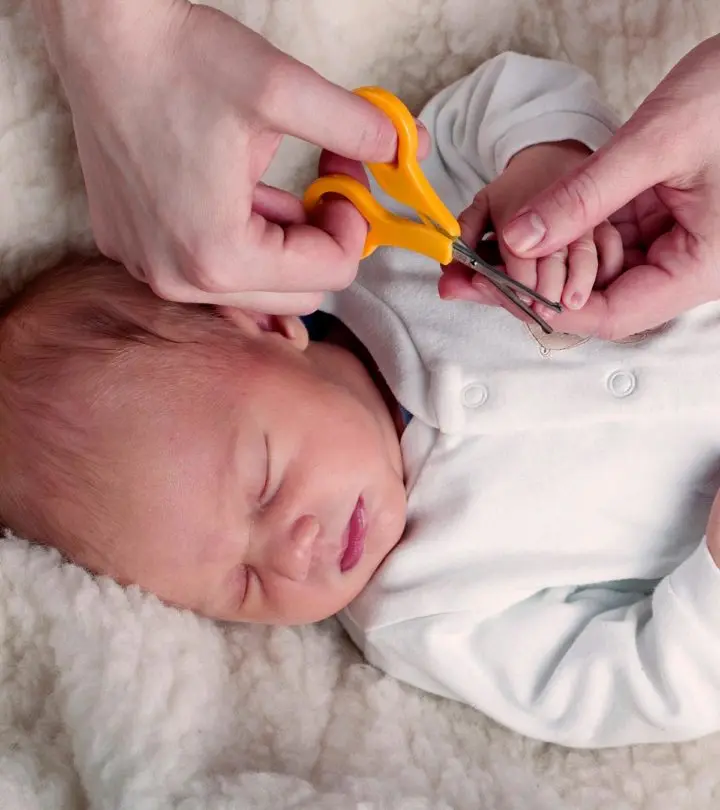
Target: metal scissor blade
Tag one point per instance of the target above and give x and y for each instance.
(468, 257)
(505, 285)
(523, 307)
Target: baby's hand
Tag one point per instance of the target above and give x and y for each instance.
(568, 276)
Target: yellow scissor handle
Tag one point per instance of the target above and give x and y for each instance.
(385, 228)
(404, 180)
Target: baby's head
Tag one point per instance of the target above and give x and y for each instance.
(215, 458)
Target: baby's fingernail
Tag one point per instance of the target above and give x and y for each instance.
(546, 313)
(576, 301)
(525, 232)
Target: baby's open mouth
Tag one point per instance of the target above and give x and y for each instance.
(354, 538)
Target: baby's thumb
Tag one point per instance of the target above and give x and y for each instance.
(475, 219)
(580, 201)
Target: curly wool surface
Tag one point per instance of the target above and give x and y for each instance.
(109, 699)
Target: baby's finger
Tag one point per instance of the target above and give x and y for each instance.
(475, 219)
(551, 278)
(461, 283)
(611, 254)
(330, 163)
(523, 270)
(582, 272)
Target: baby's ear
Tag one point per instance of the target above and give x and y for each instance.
(288, 326)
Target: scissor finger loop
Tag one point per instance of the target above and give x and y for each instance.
(437, 234)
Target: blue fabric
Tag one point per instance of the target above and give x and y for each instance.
(406, 415)
(317, 325)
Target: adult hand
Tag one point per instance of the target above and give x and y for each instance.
(661, 172)
(178, 110)
(567, 275)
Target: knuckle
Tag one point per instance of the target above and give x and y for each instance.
(166, 288)
(608, 331)
(584, 246)
(208, 281)
(577, 197)
(137, 272)
(343, 276)
(376, 138)
(102, 233)
(203, 270)
(312, 302)
(475, 212)
(272, 93)
(103, 242)
(604, 228)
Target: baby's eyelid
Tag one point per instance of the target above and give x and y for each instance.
(245, 578)
(266, 484)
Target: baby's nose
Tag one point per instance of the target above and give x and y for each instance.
(293, 558)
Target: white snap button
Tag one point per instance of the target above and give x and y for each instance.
(474, 395)
(621, 383)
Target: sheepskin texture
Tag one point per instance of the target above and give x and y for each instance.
(109, 699)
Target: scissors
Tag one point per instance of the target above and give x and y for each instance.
(437, 234)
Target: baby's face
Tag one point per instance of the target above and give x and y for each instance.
(267, 488)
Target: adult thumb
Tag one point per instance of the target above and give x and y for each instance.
(578, 202)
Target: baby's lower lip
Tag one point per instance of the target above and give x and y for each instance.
(354, 538)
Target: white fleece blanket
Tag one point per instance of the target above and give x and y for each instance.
(110, 700)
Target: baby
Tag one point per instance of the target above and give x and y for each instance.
(553, 571)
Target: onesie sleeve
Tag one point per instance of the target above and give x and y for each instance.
(597, 666)
(507, 104)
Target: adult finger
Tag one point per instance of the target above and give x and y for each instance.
(270, 303)
(332, 163)
(642, 297)
(577, 203)
(299, 258)
(298, 101)
(277, 205)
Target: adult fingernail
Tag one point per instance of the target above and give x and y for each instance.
(525, 232)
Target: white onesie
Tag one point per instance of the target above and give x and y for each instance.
(553, 573)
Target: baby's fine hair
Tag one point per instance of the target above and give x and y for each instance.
(77, 343)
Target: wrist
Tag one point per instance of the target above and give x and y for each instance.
(568, 150)
(80, 32)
